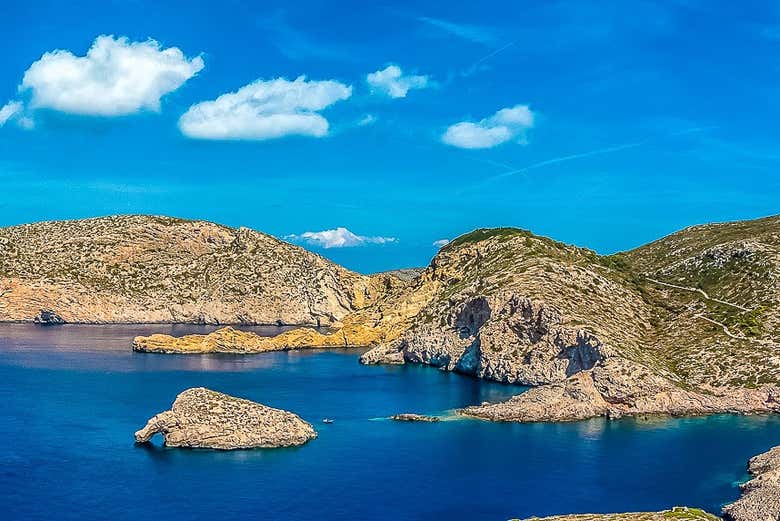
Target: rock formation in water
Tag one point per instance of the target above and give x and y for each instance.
(760, 499)
(159, 269)
(201, 418)
(412, 417)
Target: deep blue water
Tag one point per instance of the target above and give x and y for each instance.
(72, 396)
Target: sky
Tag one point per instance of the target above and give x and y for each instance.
(373, 132)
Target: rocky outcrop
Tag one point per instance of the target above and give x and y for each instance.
(584, 396)
(506, 338)
(148, 269)
(675, 514)
(760, 499)
(201, 418)
(230, 340)
(47, 317)
(412, 417)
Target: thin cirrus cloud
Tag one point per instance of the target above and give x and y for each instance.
(116, 77)
(505, 125)
(441, 243)
(338, 238)
(265, 110)
(473, 33)
(392, 82)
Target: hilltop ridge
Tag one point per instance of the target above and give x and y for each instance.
(140, 268)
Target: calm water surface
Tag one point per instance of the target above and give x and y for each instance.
(72, 396)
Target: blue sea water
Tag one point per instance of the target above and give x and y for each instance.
(72, 396)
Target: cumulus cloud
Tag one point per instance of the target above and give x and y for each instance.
(338, 238)
(441, 243)
(392, 82)
(504, 125)
(10, 110)
(116, 77)
(265, 110)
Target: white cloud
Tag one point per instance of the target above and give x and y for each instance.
(392, 82)
(116, 77)
(441, 243)
(10, 110)
(368, 119)
(338, 238)
(504, 125)
(265, 110)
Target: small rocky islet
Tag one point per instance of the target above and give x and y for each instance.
(206, 419)
(414, 417)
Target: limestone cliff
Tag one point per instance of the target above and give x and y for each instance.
(159, 269)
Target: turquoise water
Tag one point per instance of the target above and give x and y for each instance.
(72, 396)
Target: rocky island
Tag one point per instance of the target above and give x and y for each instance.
(413, 417)
(202, 418)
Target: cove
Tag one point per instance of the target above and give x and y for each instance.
(72, 396)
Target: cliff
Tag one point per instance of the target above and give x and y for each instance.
(159, 269)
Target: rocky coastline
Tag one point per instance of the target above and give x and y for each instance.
(202, 418)
(760, 500)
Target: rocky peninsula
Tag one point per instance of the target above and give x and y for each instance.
(233, 341)
(687, 325)
(202, 418)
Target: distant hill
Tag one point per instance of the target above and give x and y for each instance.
(139, 268)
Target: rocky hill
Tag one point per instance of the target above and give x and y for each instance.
(160, 269)
(684, 325)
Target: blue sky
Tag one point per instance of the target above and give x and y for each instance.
(622, 122)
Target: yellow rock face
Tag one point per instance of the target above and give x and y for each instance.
(229, 340)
